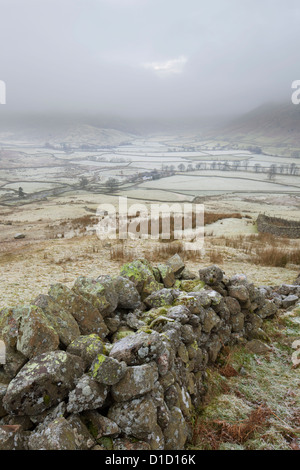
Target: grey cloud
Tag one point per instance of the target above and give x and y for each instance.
(148, 57)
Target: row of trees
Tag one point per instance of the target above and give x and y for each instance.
(288, 169)
(167, 170)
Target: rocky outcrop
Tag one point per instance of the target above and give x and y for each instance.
(121, 362)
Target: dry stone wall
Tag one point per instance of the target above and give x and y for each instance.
(121, 362)
(278, 227)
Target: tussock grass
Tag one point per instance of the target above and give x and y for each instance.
(164, 251)
(215, 257)
(262, 249)
(277, 257)
(120, 253)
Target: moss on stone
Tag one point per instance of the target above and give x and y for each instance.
(46, 400)
(106, 442)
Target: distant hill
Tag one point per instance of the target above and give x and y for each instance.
(54, 130)
(271, 124)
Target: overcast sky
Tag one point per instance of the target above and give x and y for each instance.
(148, 57)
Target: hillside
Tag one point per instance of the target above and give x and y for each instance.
(269, 125)
(57, 129)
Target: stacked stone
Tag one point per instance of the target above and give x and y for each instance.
(120, 362)
(285, 296)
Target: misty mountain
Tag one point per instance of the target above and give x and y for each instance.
(58, 129)
(270, 124)
(95, 129)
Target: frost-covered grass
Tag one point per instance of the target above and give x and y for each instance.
(255, 401)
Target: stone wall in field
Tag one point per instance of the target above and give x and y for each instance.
(121, 362)
(278, 227)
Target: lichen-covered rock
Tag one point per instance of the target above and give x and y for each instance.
(268, 310)
(137, 381)
(128, 295)
(213, 347)
(62, 321)
(179, 313)
(191, 285)
(185, 402)
(14, 362)
(136, 418)
(194, 301)
(12, 439)
(83, 438)
(140, 273)
(164, 361)
(45, 417)
(134, 347)
(171, 335)
(239, 279)
(237, 322)
(87, 347)
(25, 329)
(187, 275)
(215, 297)
(57, 435)
(42, 382)
(156, 439)
(176, 264)
(134, 321)
(233, 305)
(3, 388)
(113, 322)
(239, 292)
(289, 301)
(211, 275)
(121, 332)
(222, 309)
(258, 297)
(107, 370)
(161, 298)
(87, 395)
(98, 425)
(127, 444)
(166, 274)
(99, 292)
(210, 320)
(182, 352)
(137, 349)
(253, 323)
(288, 289)
(176, 432)
(149, 287)
(88, 317)
(171, 396)
(187, 334)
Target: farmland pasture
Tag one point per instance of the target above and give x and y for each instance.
(158, 168)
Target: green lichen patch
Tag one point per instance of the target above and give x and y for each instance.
(192, 285)
(149, 316)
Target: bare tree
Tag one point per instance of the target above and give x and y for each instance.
(112, 184)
